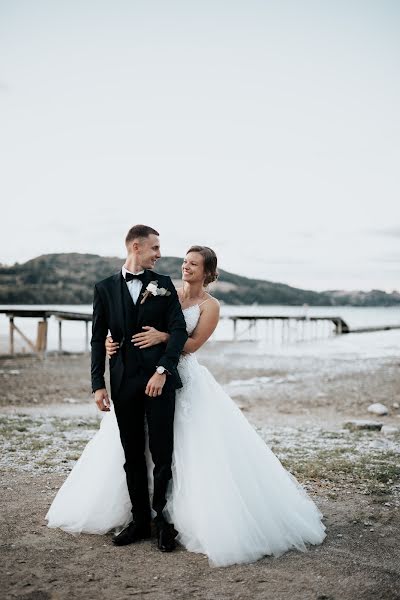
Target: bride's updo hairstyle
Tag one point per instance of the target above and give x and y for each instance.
(210, 262)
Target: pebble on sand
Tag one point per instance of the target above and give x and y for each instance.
(389, 430)
(378, 409)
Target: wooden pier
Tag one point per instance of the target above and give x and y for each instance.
(340, 326)
(286, 321)
(40, 345)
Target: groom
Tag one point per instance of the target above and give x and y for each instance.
(143, 381)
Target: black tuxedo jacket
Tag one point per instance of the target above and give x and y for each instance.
(162, 312)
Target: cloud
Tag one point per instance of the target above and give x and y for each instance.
(280, 261)
(393, 232)
(387, 258)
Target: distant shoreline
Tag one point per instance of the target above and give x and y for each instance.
(50, 279)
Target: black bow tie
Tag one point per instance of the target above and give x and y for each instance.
(130, 276)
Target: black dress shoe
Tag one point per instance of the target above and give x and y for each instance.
(133, 533)
(166, 538)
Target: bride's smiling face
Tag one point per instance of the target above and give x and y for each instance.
(193, 268)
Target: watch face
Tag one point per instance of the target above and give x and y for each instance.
(160, 370)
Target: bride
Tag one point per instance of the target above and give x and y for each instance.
(230, 497)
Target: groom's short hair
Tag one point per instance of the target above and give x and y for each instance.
(139, 231)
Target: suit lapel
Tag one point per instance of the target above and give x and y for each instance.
(117, 294)
(149, 276)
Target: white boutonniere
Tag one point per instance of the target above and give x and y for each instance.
(152, 288)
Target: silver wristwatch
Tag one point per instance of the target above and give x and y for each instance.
(161, 370)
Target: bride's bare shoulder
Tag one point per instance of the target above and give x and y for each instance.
(210, 303)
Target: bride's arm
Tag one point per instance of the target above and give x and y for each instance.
(205, 327)
(149, 337)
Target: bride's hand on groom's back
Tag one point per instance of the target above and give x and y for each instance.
(149, 337)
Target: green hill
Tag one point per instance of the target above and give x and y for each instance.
(69, 279)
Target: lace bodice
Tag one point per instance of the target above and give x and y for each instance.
(192, 315)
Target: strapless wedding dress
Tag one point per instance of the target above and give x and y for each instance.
(230, 497)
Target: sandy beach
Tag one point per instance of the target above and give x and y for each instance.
(299, 405)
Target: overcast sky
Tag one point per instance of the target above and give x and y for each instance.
(269, 130)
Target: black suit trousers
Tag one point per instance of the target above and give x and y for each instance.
(131, 406)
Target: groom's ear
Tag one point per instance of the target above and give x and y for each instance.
(132, 246)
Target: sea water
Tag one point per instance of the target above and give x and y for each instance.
(290, 337)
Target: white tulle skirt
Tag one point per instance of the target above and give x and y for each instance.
(230, 497)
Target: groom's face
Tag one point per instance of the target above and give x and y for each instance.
(148, 251)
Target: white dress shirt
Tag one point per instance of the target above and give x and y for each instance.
(134, 285)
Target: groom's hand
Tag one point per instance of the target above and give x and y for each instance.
(155, 385)
(102, 400)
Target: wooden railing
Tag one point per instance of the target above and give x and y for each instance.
(40, 345)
